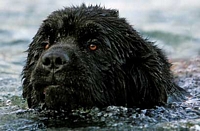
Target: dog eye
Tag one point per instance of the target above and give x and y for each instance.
(93, 44)
(45, 44)
(93, 47)
(46, 47)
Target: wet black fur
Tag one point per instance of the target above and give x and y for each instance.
(125, 70)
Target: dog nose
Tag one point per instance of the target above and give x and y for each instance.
(54, 60)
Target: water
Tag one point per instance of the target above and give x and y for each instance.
(174, 25)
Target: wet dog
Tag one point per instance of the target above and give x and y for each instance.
(89, 56)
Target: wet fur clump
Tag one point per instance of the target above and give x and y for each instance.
(89, 56)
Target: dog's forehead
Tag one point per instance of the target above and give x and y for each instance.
(78, 16)
(71, 26)
(82, 23)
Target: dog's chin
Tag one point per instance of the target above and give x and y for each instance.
(55, 97)
(47, 89)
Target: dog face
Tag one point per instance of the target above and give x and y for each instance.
(88, 56)
(70, 59)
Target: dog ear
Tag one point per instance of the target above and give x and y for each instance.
(146, 89)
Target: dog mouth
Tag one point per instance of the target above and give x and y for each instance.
(49, 95)
(45, 91)
(56, 95)
(49, 87)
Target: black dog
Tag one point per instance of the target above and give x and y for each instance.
(88, 56)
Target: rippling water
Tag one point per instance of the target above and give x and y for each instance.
(174, 25)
